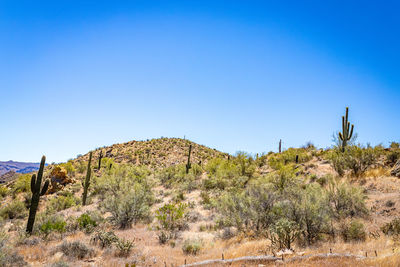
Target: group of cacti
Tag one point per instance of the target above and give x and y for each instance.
(344, 136)
(38, 190)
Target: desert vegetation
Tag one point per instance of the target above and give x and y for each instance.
(169, 200)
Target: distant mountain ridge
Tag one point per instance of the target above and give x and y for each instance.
(18, 167)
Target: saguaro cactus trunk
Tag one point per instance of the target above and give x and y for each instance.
(37, 191)
(346, 133)
(100, 157)
(87, 181)
(280, 145)
(189, 165)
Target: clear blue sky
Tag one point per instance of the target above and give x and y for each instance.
(233, 75)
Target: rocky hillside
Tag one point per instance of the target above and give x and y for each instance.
(156, 153)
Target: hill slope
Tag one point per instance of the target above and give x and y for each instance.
(156, 153)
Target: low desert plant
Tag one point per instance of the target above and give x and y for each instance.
(22, 184)
(124, 247)
(104, 239)
(62, 202)
(86, 222)
(129, 206)
(52, 223)
(75, 249)
(392, 228)
(192, 246)
(13, 210)
(354, 231)
(346, 200)
(283, 233)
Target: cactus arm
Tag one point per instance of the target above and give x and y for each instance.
(33, 182)
(40, 174)
(44, 188)
(351, 131)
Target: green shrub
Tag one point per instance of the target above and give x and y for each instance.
(192, 246)
(277, 160)
(52, 223)
(171, 216)
(127, 194)
(283, 233)
(173, 175)
(355, 231)
(223, 174)
(171, 219)
(347, 200)
(129, 206)
(283, 178)
(3, 191)
(62, 202)
(22, 184)
(357, 159)
(86, 222)
(313, 213)
(14, 210)
(69, 167)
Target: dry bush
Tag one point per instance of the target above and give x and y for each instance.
(75, 249)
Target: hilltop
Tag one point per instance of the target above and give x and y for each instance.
(155, 153)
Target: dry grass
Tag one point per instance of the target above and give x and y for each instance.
(377, 172)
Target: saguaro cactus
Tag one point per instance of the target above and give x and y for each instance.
(189, 165)
(280, 145)
(100, 157)
(87, 181)
(36, 183)
(346, 135)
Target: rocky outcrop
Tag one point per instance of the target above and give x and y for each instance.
(59, 179)
(396, 169)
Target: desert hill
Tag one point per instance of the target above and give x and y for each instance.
(156, 153)
(308, 206)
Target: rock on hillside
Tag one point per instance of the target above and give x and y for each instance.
(162, 152)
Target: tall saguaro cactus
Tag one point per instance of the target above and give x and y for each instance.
(100, 157)
(280, 145)
(346, 133)
(87, 181)
(37, 191)
(189, 165)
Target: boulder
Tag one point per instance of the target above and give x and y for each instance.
(58, 179)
